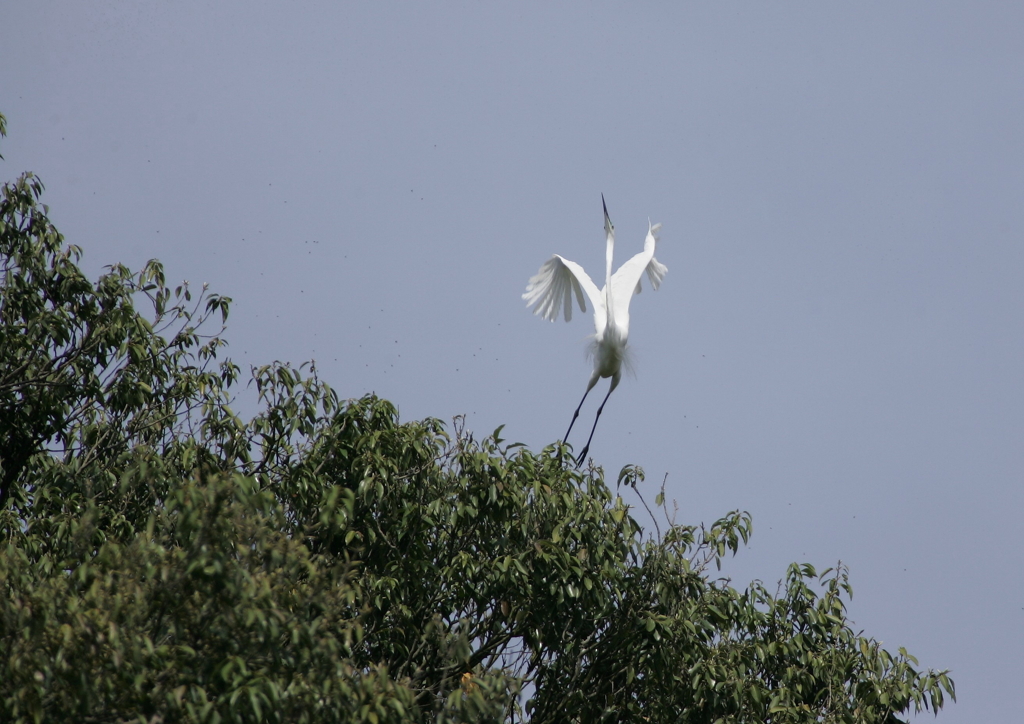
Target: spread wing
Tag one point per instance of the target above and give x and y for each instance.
(553, 287)
(626, 281)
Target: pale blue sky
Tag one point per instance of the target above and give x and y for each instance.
(837, 347)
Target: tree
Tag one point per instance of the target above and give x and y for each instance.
(164, 560)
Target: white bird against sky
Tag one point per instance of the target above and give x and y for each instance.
(553, 287)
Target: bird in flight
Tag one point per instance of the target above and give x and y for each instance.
(552, 290)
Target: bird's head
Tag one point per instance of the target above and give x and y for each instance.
(609, 228)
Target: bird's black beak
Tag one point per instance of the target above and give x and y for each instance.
(608, 226)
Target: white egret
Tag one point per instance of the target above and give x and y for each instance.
(552, 290)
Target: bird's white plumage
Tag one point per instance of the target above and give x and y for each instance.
(551, 291)
(627, 280)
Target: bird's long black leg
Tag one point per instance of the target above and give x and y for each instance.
(576, 414)
(586, 448)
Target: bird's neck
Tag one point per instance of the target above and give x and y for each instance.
(610, 320)
(608, 261)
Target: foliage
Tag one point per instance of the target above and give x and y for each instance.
(162, 560)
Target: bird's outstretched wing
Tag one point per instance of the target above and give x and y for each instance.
(552, 289)
(656, 271)
(626, 281)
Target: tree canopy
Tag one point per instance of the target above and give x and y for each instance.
(164, 560)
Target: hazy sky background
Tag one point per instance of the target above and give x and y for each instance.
(837, 347)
